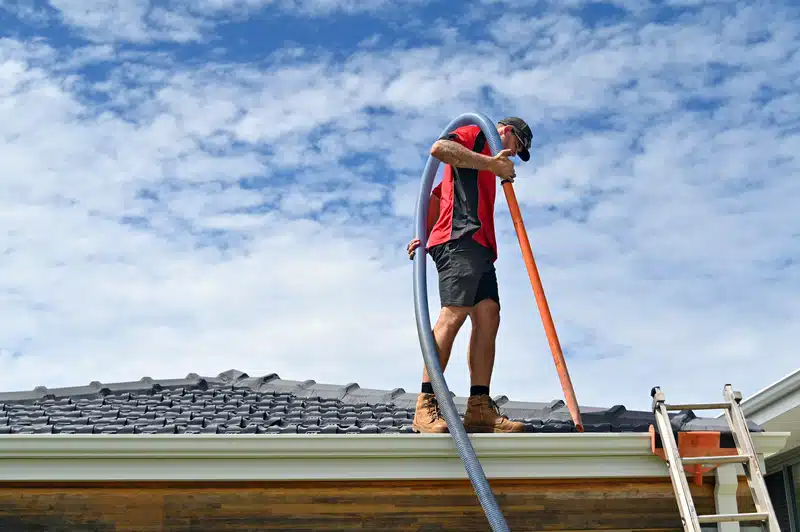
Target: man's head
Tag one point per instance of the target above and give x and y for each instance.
(516, 136)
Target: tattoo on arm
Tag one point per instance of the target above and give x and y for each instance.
(454, 154)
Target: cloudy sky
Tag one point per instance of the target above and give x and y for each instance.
(215, 184)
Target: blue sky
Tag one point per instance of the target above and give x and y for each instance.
(199, 186)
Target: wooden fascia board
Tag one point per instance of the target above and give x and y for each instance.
(70, 457)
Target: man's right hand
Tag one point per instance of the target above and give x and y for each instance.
(502, 166)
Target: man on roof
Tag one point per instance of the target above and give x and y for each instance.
(461, 242)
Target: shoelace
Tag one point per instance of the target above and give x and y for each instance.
(434, 408)
(496, 408)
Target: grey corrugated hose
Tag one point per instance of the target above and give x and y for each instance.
(427, 343)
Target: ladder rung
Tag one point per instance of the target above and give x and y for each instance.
(729, 459)
(719, 518)
(698, 406)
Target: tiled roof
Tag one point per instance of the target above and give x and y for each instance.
(234, 402)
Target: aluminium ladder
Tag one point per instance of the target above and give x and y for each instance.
(746, 456)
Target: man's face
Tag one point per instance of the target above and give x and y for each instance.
(510, 140)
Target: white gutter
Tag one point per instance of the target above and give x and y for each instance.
(774, 400)
(74, 457)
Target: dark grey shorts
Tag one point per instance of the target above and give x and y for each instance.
(466, 272)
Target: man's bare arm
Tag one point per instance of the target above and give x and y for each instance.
(453, 153)
(433, 216)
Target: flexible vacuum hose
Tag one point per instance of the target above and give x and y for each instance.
(427, 342)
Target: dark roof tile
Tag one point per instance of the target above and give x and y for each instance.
(234, 402)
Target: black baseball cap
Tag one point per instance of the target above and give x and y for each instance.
(523, 131)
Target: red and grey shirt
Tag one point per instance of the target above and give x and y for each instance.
(467, 197)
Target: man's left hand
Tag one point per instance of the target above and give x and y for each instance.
(411, 248)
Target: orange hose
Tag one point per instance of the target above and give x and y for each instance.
(541, 301)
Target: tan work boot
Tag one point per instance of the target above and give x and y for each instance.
(428, 416)
(483, 415)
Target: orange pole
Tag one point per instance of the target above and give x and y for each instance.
(541, 301)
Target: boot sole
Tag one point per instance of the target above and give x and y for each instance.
(418, 430)
(490, 430)
(478, 430)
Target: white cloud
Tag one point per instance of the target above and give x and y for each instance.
(181, 21)
(131, 20)
(164, 218)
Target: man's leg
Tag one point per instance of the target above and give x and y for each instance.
(428, 417)
(444, 333)
(482, 413)
(457, 287)
(485, 318)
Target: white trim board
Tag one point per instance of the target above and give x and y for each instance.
(217, 457)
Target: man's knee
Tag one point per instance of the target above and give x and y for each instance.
(486, 315)
(451, 318)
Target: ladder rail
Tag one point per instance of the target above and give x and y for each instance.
(679, 482)
(745, 447)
